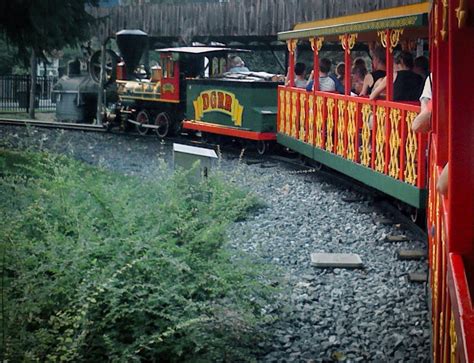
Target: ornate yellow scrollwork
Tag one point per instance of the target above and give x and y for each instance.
(316, 44)
(411, 148)
(365, 153)
(444, 28)
(441, 328)
(351, 130)
(330, 124)
(281, 125)
(380, 139)
(394, 166)
(348, 41)
(394, 38)
(341, 127)
(382, 34)
(461, 13)
(291, 45)
(311, 120)
(352, 40)
(453, 338)
(302, 131)
(319, 122)
(288, 113)
(294, 97)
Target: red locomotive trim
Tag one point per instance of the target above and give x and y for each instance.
(228, 131)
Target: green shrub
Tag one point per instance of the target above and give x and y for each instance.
(99, 266)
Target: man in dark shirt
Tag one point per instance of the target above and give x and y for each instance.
(378, 70)
(408, 85)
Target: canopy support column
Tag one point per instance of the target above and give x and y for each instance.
(390, 39)
(291, 44)
(347, 41)
(316, 45)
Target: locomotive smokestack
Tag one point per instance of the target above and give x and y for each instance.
(131, 43)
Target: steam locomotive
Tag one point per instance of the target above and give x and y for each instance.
(191, 90)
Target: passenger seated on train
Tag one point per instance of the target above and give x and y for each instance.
(340, 72)
(407, 85)
(300, 72)
(327, 82)
(358, 74)
(237, 65)
(360, 62)
(378, 70)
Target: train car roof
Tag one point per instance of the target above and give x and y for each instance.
(199, 50)
(408, 17)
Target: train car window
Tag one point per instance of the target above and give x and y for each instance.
(168, 67)
(222, 65)
(191, 65)
(215, 67)
(206, 67)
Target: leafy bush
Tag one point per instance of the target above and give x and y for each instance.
(99, 266)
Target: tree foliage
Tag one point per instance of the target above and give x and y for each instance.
(45, 25)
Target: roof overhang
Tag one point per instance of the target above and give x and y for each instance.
(199, 50)
(408, 16)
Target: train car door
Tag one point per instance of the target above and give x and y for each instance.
(451, 214)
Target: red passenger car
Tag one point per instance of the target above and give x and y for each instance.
(373, 141)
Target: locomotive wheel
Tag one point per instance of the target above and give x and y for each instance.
(262, 147)
(163, 122)
(144, 119)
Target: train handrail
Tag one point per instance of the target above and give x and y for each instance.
(389, 146)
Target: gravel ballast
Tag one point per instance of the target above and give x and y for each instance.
(370, 314)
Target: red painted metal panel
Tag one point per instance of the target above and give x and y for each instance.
(347, 70)
(389, 66)
(228, 131)
(462, 306)
(403, 140)
(358, 131)
(387, 140)
(316, 71)
(374, 133)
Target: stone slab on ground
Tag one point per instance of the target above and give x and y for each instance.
(418, 277)
(397, 238)
(336, 260)
(383, 220)
(351, 199)
(411, 254)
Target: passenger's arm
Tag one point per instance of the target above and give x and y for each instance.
(368, 81)
(379, 89)
(422, 122)
(442, 185)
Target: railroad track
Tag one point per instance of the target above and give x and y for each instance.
(52, 124)
(388, 205)
(251, 157)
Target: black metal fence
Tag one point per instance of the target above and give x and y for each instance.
(15, 93)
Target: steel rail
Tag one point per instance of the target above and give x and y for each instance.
(52, 124)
